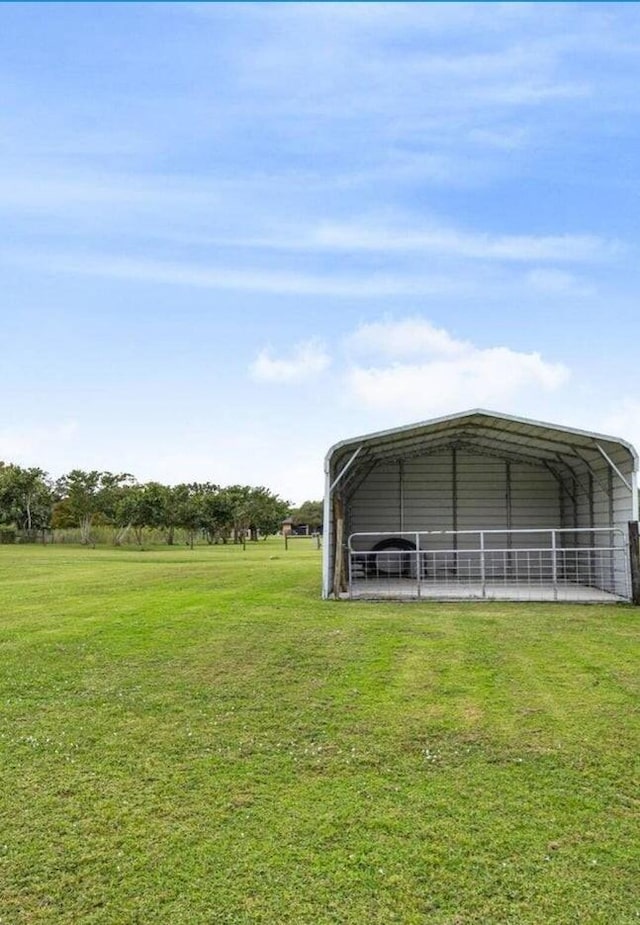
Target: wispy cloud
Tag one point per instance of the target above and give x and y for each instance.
(337, 285)
(393, 242)
(451, 242)
(396, 238)
(557, 283)
(42, 190)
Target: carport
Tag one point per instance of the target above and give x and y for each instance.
(481, 505)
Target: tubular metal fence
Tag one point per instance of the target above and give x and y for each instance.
(587, 564)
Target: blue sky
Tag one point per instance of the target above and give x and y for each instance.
(231, 235)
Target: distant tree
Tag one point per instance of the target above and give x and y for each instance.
(29, 500)
(171, 511)
(89, 495)
(26, 497)
(143, 506)
(310, 512)
(237, 499)
(216, 513)
(266, 511)
(112, 498)
(62, 517)
(187, 500)
(80, 491)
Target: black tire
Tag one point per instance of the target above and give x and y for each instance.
(397, 566)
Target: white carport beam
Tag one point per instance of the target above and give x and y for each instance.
(593, 472)
(614, 467)
(344, 469)
(575, 476)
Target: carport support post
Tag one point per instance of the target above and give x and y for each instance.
(330, 526)
(339, 583)
(634, 561)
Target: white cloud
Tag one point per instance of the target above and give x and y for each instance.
(303, 360)
(451, 374)
(406, 338)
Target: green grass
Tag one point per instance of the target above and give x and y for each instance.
(194, 737)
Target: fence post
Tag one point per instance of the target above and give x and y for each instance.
(418, 562)
(482, 568)
(554, 565)
(634, 561)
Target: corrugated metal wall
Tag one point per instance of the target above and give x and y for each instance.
(455, 490)
(459, 489)
(594, 495)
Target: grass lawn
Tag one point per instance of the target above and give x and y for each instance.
(194, 737)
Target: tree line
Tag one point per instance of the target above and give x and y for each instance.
(31, 501)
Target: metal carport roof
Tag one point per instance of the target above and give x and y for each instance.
(504, 435)
(519, 439)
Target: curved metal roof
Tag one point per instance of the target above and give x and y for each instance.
(488, 432)
(564, 450)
